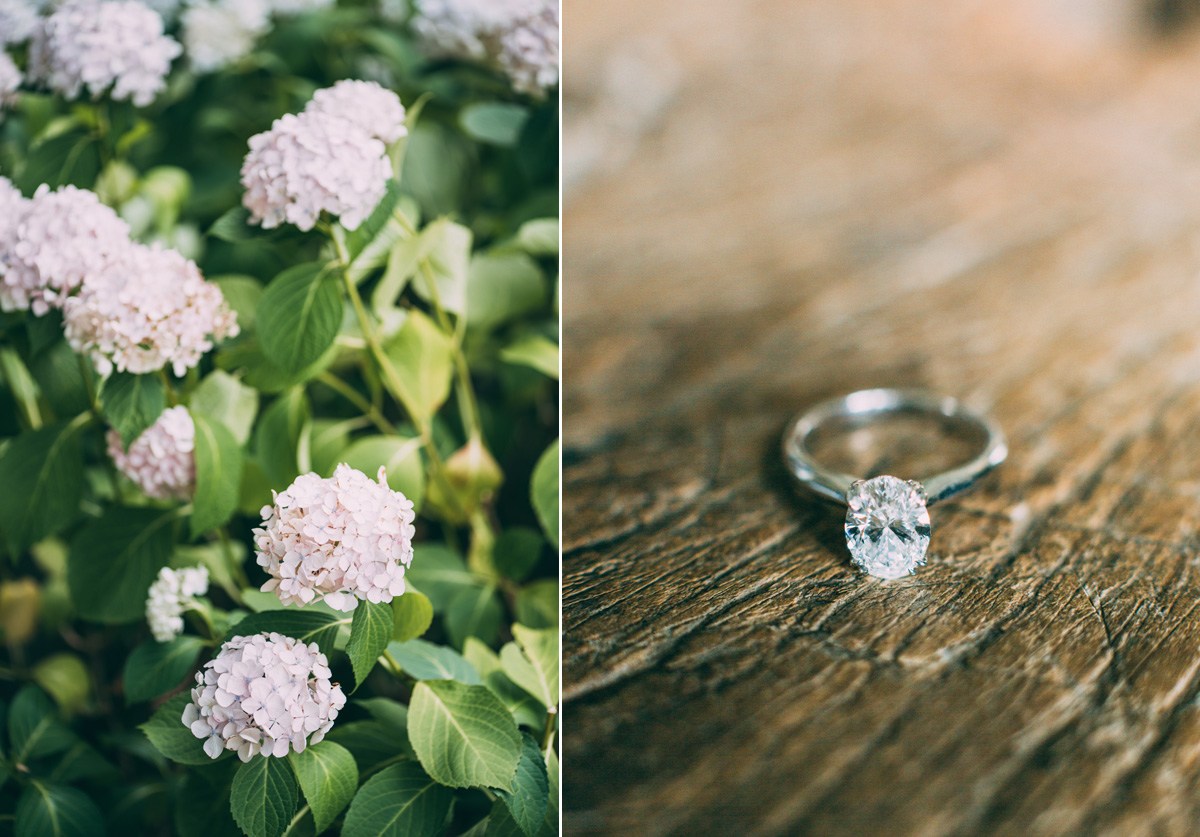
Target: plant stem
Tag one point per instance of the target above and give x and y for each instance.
(467, 405)
(358, 400)
(391, 378)
(392, 664)
(548, 735)
(172, 398)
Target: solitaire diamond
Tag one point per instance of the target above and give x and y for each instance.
(887, 526)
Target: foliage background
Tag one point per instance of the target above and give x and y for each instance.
(458, 267)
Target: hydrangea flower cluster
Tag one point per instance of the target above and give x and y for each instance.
(297, 7)
(161, 461)
(219, 32)
(131, 307)
(330, 158)
(263, 694)
(61, 238)
(18, 21)
(520, 37)
(344, 538)
(12, 205)
(103, 45)
(364, 103)
(170, 595)
(10, 81)
(148, 308)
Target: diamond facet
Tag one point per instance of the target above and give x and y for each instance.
(887, 526)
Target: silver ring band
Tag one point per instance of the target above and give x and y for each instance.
(868, 403)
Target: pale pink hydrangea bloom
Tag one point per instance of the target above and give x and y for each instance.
(10, 82)
(311, 163)
(368, 105)
(173, 592)
(62, 238)
(344, 538)
(296, 7)
(12, 207)
(104, 45)
(264, 694)
(219, 32)
(161, 461)
(18, 20)
(149, 308)
(528, 50)
(520, 37)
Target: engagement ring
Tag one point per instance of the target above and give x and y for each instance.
(887, 518)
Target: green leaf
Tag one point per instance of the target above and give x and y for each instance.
(218, 475)
(438, 166)
(550, 823)
(328, 439)
(19, 380)
(400, 455)
(373, 743)
(539, 237)
(63, 379)
(132, 403)
(70, 156)
(423, 660)
(532, 663)
(474, 611)
(81, 761)
(48, 810)
(225, 399)
(299, 316)
(424, 360)
(263, 797)
(390, 712)
(534, 351)
(369, 245)
(524, 707)
(243, 294)
(114, 560)
(445, 250)
(439, 573)
(66, 679)
(530, 794)
(202, 802)
(328, 776)
(496, 123)
(463, 735)
(543, 491)
(503, 286)
(401, 266)
(370, 632)
(277, 439)
(412, 614)
(232, 226)
(42, 475)
(399, 801)
(537, 604)
(305, 625)
(517, 551)
(34, 728)
(156, 667)
(167, 733)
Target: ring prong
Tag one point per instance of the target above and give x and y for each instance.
(919, 488)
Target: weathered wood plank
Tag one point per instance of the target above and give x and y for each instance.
(998, 202)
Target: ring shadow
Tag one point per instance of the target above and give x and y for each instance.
(818, 517)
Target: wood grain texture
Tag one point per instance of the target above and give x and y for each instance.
(778, 201)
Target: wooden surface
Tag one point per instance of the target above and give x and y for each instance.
(773, 202)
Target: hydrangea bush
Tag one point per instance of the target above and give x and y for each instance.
(278, 417)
